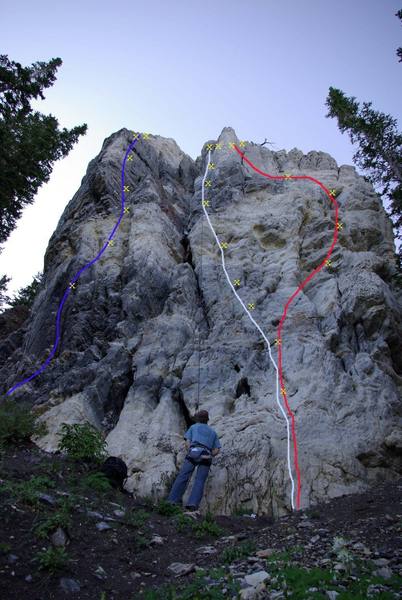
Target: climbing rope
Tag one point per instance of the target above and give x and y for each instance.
(199, 285)
(254, 322)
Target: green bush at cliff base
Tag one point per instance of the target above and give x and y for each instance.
(82, 442)
(18, 424)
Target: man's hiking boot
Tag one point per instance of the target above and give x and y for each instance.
(192, 508)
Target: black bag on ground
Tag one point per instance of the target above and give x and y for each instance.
(115, 470)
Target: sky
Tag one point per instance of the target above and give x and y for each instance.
(185, 69)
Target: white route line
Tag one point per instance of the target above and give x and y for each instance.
(254, 322)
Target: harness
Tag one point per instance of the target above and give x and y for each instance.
(199, 454)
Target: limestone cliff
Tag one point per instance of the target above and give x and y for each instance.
(153, 331)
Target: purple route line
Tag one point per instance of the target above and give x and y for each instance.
(84, 268)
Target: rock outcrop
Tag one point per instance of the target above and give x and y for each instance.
(153, 332)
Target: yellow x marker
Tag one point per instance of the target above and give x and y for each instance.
(210, 146)
(218, 146)
(251, 305)
(231, 144)
(327, 263)
(278, 342)
(236, 281)
(126, 209)
(332, 193)
(72, 286)
(224, 244)
(283, 390)
(242, 144)
(287, 176)
(339, 226)
(145, 136)
(208, 183)
(126, 188)
(211, 165)
(110, 243)
(130, 157)
(205, 202)
(136, 135)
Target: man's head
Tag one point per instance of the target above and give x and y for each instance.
(202, 416)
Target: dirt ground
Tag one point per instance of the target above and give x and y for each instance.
(133, 552)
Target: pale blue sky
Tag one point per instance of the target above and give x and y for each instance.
(185, 69)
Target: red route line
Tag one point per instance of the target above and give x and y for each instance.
(299, 289)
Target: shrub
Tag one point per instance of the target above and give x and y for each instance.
(4, 548)
(96, 481)
(212, 585)
(207, 527)
(167, 508)
(200, 528)
(60, 518)
(52, 559)
(18, 424)
(27, 491)
(136, 518)
(235, 552)
(182, 521)
(82, 442)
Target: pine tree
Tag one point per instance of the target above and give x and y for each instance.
(30, 142)
(379, 143)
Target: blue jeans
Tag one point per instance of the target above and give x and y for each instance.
(182, 479)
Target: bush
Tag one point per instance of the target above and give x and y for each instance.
(167, 508)
(82, 442)
(96, 481)
(50, 524)
(212, 585)
(27, 491)
(200, 528)
(52, 559)
(18, 424)
(236, 552)
(136, 518)
(207, 527)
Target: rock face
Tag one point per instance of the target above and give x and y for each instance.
(153, 331)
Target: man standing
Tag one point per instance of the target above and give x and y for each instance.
(202, 444)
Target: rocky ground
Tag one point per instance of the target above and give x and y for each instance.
(62, 533)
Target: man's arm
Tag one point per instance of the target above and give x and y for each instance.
(215, 451)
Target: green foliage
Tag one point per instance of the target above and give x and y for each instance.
(26, 295)
(167, 509)
(27, 491)
(60, 518)
(183, 522)
(4, 299)
(141, 542)
(4, 548)
(96, 481)
(82, 442)
(298, 580)
(30, 142)
(200, 528)
(52, 559)
(236, 552)
(379, 151)
(206, 527)
(221, 587)
(17, 423)
(399, 50)
(136, 518)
